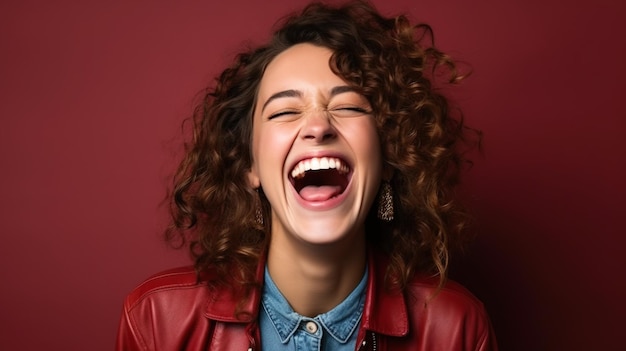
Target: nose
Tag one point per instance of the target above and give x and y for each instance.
(318, 127)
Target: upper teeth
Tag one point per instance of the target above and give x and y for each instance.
(317, 163)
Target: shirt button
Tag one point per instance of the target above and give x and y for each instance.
(311, 327)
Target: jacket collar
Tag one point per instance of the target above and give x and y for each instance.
(385, 311)
(223, 301)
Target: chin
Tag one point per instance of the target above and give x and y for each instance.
(328, 233)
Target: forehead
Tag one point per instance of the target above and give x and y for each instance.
(301, 64)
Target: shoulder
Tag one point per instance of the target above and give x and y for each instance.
(453, 309)
(165, 286)
(167, 310)
(452, 295)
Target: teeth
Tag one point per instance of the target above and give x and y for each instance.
(317, 163)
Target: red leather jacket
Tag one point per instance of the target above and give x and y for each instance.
(173, 311)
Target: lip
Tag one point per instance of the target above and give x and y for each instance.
(327, 204)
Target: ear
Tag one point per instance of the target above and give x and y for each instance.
(253, 178)
(387, 172)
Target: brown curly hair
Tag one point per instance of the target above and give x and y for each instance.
(395, 66)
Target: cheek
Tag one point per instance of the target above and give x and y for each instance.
(271, 146)
(367, 141)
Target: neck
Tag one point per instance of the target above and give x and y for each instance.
(316, 278)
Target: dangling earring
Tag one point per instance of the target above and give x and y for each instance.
(258, 211)
(385, 202)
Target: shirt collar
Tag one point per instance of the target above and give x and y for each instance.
(385, 311)
(339, 323)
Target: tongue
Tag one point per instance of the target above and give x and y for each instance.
(319, 193)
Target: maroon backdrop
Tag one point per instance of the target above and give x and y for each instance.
(93, 93)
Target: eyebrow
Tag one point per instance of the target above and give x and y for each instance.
(282, 94)
(297, 93)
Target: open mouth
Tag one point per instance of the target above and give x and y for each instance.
(320, 178)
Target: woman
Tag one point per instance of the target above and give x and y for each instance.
(315, 199)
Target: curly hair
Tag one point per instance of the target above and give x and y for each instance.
(391, 62)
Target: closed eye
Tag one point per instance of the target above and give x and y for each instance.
(282, 113)
(355, 109)
(349, 111)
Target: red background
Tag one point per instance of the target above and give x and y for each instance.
(93, 93)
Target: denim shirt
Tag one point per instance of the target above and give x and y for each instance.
(284, 329)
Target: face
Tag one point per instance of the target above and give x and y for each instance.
(315, 148)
